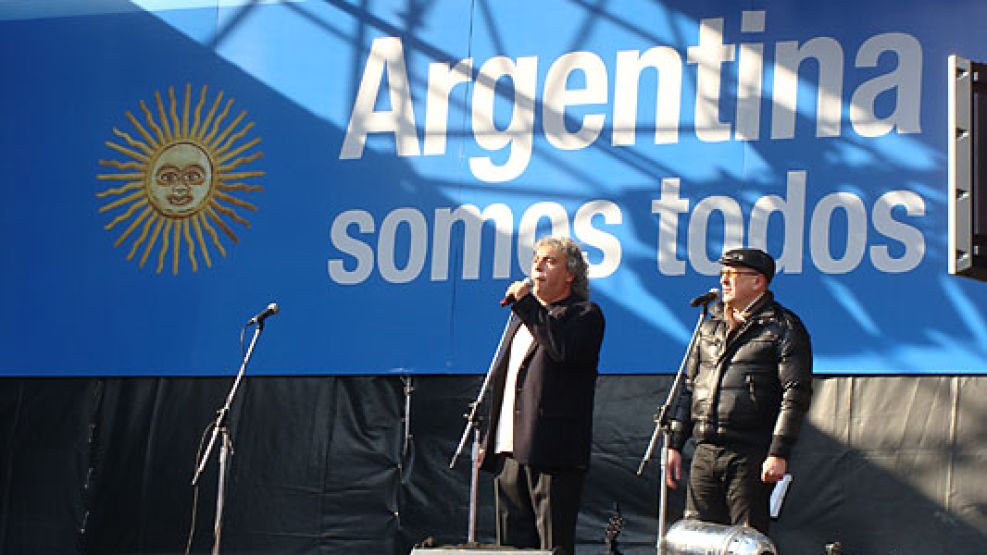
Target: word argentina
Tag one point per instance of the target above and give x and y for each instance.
(386, 69)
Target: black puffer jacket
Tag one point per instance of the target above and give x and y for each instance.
(750, 388)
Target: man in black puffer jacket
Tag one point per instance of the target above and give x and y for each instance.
(747, 390)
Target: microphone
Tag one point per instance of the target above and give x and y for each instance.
(705, 298)
(510, 298)
(271, 310)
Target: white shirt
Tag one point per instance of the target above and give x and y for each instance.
(505, 425)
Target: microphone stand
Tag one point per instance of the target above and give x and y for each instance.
(221, 430)
(473, 425)
(663, 427)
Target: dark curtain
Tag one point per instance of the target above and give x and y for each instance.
(324, 465)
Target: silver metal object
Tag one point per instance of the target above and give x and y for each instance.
(663, 428)
(966, 188)
(473, 425)
(694, 537)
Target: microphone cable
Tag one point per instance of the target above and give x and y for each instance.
(195, 488)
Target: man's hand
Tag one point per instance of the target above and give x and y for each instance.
(518, 289)
(674, 470)
(773, 469)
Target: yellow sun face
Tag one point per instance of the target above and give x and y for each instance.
(180, 180)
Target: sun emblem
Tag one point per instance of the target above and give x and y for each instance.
(180, 180)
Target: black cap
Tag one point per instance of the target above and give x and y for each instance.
(755, 259)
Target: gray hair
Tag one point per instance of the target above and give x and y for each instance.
(575, 262)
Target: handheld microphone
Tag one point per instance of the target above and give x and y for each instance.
(271, 310)
(705, 298)
(510, 298)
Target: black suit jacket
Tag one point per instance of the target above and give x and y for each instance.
(553, 417)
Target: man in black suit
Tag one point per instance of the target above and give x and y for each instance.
(748, 387)
(541, 415)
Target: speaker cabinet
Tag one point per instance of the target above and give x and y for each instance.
(967, 154)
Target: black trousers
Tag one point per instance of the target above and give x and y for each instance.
(725, 487)
(537, 507)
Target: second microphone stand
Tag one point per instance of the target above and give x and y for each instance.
(473, 425)
(221, 431)
(663, 428)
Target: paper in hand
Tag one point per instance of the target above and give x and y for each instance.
(778, 495)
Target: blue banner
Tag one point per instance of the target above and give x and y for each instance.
(381, 170)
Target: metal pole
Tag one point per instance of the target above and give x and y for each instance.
(472, 425)
(662, 424)
(224, 449)
(221, 431)
(474, 487)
